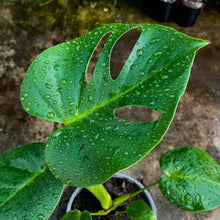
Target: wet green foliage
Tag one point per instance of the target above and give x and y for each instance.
(192, 180)
(76, 215)
(95, 144)
(139, 210)
(28, 190)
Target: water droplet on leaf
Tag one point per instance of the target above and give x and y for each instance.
(51, 115)
(26, 94)
(139, 52)
(48, 86)
(64, 81)
(157, 53)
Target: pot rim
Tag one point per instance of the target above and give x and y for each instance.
(122, 176)
(193, 7)
(169, 2)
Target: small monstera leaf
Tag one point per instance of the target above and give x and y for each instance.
(77, 215)
(192, 180)
(95, 144)
(28, 190)
(139, 210)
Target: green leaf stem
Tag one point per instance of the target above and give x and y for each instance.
(192, 180)
(95, 144)
(28, 190)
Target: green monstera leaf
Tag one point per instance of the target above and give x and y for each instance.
(95, 144)
(192, 180)
(28, 190)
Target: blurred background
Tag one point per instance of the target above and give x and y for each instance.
(28, 27)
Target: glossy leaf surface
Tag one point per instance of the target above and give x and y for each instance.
(95, 144)
(139, 210)
(28, 190)
(192, 180)
(77, 215)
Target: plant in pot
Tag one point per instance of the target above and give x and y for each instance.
(98, 139)
(188, 11)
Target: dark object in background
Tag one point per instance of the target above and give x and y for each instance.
(163, 10)
(188, 11)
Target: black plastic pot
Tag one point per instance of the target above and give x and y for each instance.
(163, 10)
(147, 195)
(186, 15)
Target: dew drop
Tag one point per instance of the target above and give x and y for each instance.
(127, 123)
(68, 182)
(22, 99)
(59, 90)
(47, 96)
(26, 94)
(34, 80)
(76, 174)
(64, 81)
(85, 158)
(56, 66)
(71, 112)
(108, 128)
(97, 159)
(155, 40)
(41, 217)
(141, 73)
(161, 111)
(149, 61)
(90, 98)
(157, 53)
(116, 150)
(71, 103)
(96, 137)
(150, 103)
(164, 77)
(139, 52)
(51, 115)
(27, 109)
(126, 153)
(115, 128)
(48, 86)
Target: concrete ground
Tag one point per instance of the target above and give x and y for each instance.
(27, 28)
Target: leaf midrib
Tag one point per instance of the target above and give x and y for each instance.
(22, 186)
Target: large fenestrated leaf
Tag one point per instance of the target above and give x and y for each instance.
(28, 190)
(192, 180)
(95, 144)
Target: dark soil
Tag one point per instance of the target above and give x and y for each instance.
(116, 187)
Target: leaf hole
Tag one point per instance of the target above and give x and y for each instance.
(95, 56)
(135, 113)
(122, 50)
